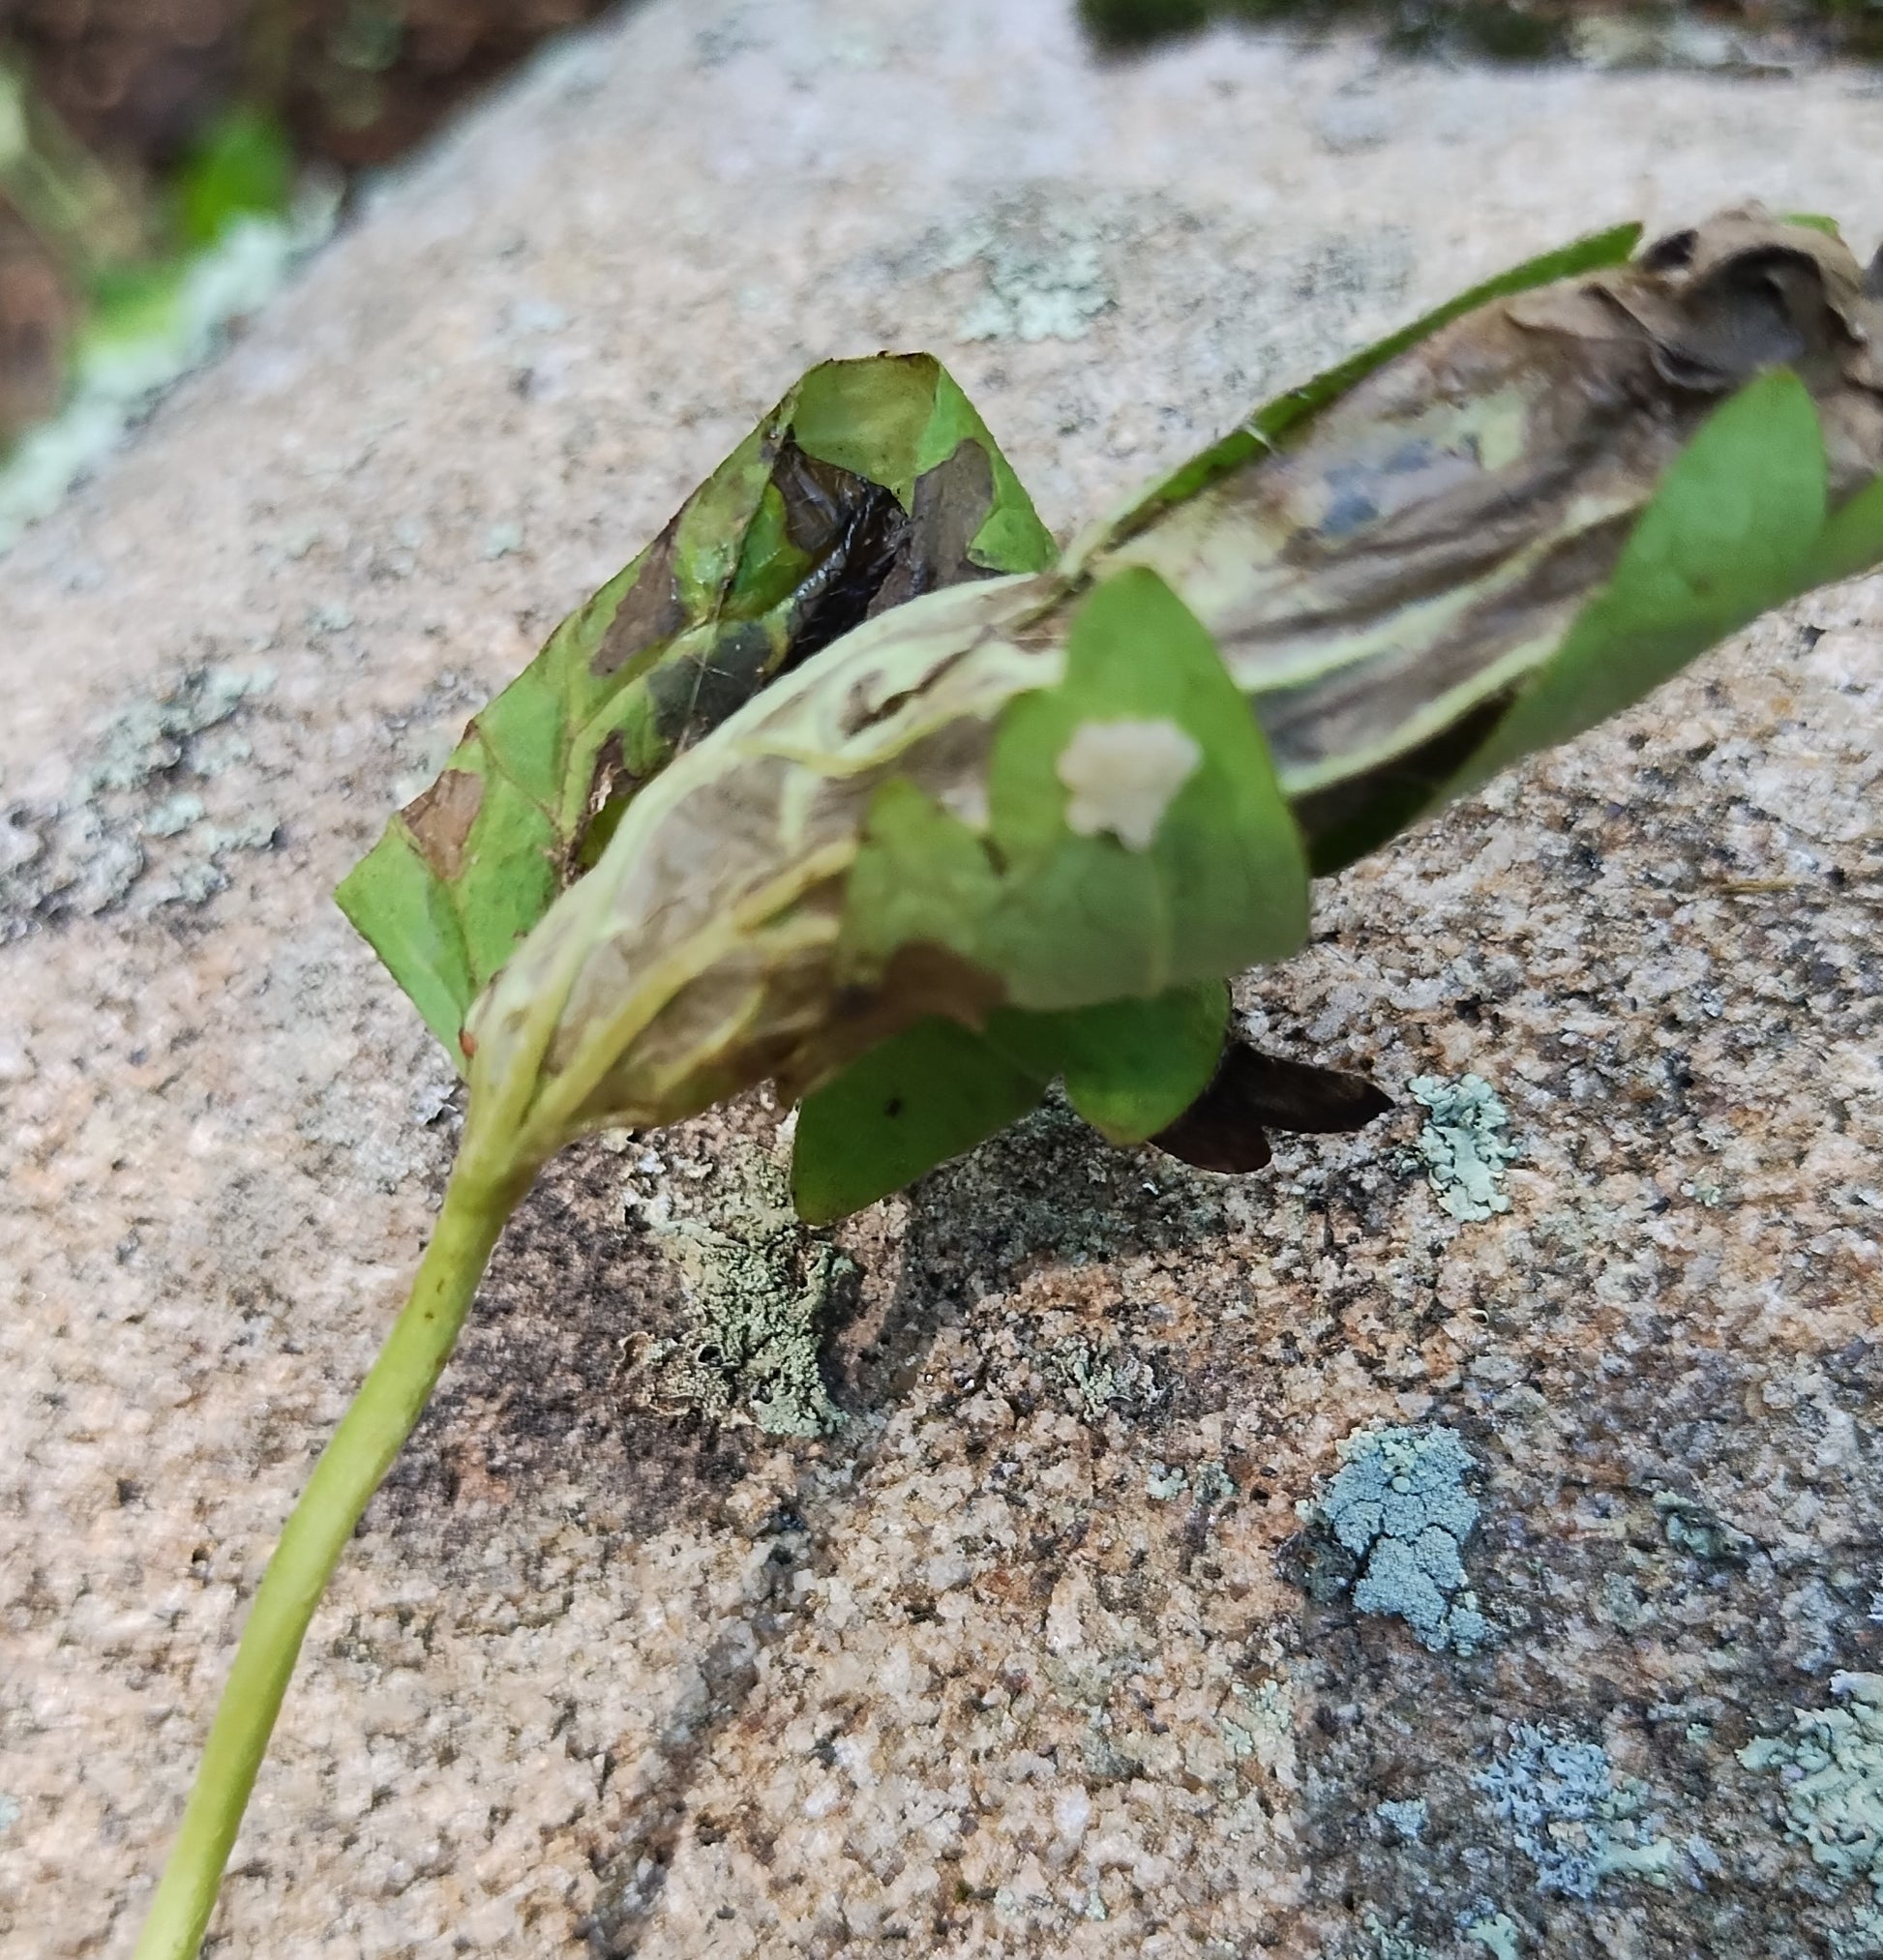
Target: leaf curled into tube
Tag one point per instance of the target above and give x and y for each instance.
(871, 483)
(846, 785)
(983, 800)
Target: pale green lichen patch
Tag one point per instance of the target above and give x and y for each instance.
(1392, 1942)
(133, 828)
(1103, 1379)
(1496, 1934)
(1399, 1504)
(1265, 1712)
(1045, 272)
(758, 1285)
(1568, 1814)
(1833, 1766)
(1465, 1143)
(1208, 1484)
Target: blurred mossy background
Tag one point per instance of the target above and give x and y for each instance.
(135, 134)
(1614, 32)
(146, 147)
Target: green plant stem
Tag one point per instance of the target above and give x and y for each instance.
(361, 1451)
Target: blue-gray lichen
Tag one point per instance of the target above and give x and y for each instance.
(1568, 1814)
(758, 1285)
(1464, 1144)
(1833, 1763)
(1496, 1933)
(131, 826)
(1406, 1815)
(1400, 1505)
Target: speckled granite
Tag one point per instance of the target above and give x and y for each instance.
(1046, 1649)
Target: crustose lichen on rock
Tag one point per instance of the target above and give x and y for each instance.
(1399, 1504)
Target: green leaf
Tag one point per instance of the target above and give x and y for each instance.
(1092, 908)
(871, 481)
(243, 167)
(922, 877)
(1131, 1067)
(925, 1096)
(1730, 532)
(1852, 540)
(395, 901)
(936, 1090)
(1137, 839)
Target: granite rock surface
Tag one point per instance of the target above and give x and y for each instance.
(1047, 1646)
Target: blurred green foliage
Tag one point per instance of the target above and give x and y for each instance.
(139, 139)
(1502, 30)
(242, 165)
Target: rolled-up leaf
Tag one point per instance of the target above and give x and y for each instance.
(912, 859)
(871, 483)
(1047, 793)
(1386, 583)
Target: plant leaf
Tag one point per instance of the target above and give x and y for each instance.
(1052, 793)
(242, 166)
(1730, 532)
(1290, 413)
(937, 1090)
(927, 1094)
(871, 481)
(1064, 901)
(1852, 540)
(1094, 908)
(1130, 1067)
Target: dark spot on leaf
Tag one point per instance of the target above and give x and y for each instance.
(651, 611)
(894, 1107)
(693, 694)
(440, 820)
(821, 499)
(854, 529)
(947, 508)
